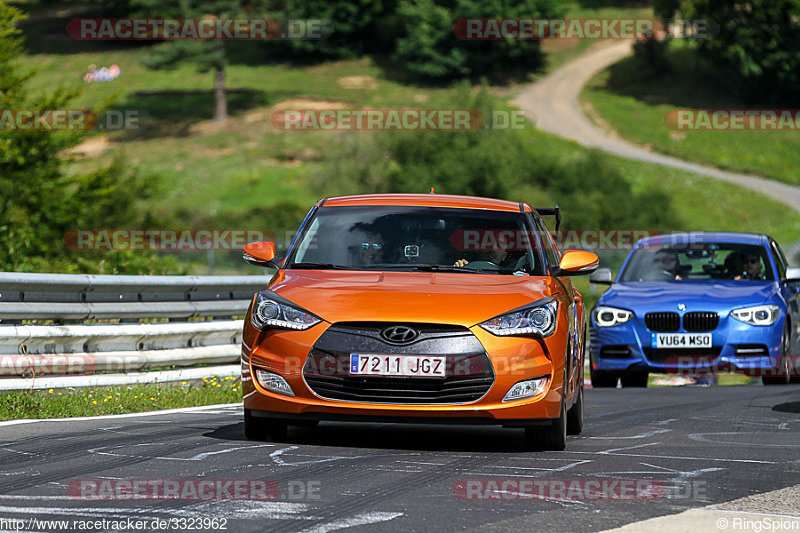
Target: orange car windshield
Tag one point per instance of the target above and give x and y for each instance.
(419, 239)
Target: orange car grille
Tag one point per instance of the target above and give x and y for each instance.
(469, 371)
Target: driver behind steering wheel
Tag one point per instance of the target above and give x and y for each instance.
(495, 256)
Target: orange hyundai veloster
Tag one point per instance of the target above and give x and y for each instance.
(418, 308)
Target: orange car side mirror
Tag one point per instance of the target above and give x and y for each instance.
(260, 254)
(576, 263)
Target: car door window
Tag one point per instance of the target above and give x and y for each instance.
(550, 249)
(780, 259)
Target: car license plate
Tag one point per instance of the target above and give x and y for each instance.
(682, 340)
(397, 365)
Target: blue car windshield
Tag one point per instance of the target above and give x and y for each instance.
(434, 239)
(698, 261)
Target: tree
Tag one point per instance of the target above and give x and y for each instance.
(755, 43)
(206, 55)
(39, 200)
(429, 47)
(358, 26)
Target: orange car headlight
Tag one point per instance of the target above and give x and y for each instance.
(538, 319)
(278, 313)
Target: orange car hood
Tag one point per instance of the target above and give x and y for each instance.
(451, 298)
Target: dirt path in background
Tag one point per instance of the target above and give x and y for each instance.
(552, 103)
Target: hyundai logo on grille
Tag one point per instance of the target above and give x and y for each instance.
(399, 334)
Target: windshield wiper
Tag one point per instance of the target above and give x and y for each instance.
(436, 268)
(320, 266)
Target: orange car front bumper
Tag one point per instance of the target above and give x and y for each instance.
(513, 359)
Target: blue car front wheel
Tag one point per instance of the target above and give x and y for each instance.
(602, 379)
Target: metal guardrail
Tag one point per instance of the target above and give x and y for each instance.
(83, 297)
(71, 353)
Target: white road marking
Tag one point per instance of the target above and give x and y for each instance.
(254, 510)
(16, 451)
(197, 457)
(612, 450)
(544, 469)
(701, 437)
(232, 509)
(278, 460)
(773, 423)
(129, 415)
(77, 511)
(420, 463)
(529, 496)
(756, 513)
(29, 497)
(357, 520)
(640, 436)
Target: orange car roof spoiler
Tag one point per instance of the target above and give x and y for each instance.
(550, 212)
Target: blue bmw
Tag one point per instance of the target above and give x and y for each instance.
(695, 303)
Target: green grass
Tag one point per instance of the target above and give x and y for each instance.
(635, 107)
(700, 203)
(62, 403)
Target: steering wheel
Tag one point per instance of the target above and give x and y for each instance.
(483, 265)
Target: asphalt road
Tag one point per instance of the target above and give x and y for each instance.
(552, 103)
(704, 446)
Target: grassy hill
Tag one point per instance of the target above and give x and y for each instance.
(230, 175)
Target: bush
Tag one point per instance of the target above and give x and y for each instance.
(495, 163)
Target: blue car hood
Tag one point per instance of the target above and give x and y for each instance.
(717, 295)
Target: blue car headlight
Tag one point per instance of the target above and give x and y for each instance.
(538, 320)
(606, 317)
(758, 315)
(269, 312)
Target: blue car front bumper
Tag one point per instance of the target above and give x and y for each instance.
(736, 346)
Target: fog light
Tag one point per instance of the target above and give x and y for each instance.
(273, 382)
(527, 389)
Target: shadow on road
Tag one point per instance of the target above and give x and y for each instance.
(395, 437)
(788, 407)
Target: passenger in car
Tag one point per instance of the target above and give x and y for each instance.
(744, 266)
